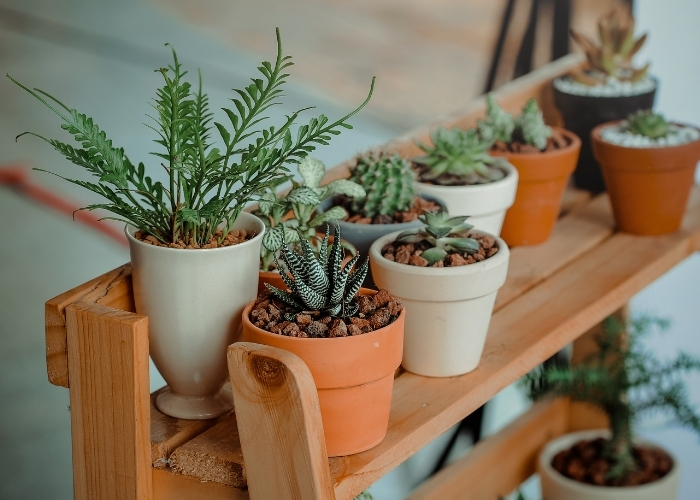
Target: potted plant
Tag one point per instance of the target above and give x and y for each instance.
(390, 203)
(649, 167)
(623, 380)
(609, 88)
(194, 252)
(544, 156)
(351, 343)
(447, 275)
(296, 214)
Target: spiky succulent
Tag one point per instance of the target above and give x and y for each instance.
(320, 282)
(649, 124)
(528, 128)
(458, 157)
(613, 56)
(439, 233)
(388, 183)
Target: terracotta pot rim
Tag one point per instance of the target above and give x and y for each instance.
(129, 229)
(595, 135)
(574, 144)
(494, 185)
(349, 338)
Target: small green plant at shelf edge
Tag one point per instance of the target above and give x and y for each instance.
(365, 495)
(528, 128)
(521, 496)
(207, 186)
(388, 182)
(649, 124)
(458, 157)
(301, 201)
(320, 282)
(623, 380)
(612, 57)
(438, 232)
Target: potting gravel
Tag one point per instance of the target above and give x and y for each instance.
(618, 134)
(611, 88)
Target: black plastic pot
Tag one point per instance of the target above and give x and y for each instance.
(583, 113)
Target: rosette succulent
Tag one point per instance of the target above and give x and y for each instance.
(649, 124)
(388, 183)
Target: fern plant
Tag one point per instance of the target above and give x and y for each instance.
(648, 124)
(320, 283)
(528, 128)
(624, 381)
(207, 186)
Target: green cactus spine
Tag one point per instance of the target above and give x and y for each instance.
(388, 181)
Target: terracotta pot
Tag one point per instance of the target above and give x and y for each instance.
(194, 300)
(448, 309)
(649, 187)
(555, 486)
(354, 377)
(542, 180)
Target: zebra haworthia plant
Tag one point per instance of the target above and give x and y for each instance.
(439, 233)
(320, 283)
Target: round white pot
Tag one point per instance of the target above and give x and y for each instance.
(194, 300)
(558, 487)
(486, 204)
(448, 309)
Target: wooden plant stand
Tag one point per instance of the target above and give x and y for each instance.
(123, 447)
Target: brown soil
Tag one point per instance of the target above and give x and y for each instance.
(419, 207)
(557, 141)
(234, 237)
(584, 462)
(453, 180)
(375, 312)
(410, 253)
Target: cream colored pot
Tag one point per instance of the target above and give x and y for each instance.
(558, 487)
(194, 300)
(448, 309)
(486, 204)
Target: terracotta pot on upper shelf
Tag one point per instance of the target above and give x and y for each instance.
(354, 377)
(543, 177)
(648, 187)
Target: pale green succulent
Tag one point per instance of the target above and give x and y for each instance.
(458, 157)
(439, 227)
(532, 127)
(320, 283)
(528, 128)
(388, 181)
(499, 124)
(649, 124)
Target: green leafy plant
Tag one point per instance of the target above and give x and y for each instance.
(289, 217)
(439, 232)
(612, 57)
(623, 380)
(648, 124)
(388, 183)
(528, 128)
(320, 283)
(458, 157)
(207, 187)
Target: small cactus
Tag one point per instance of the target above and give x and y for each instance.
(532, 127)
(528, 128)
(499, 124)
(649, 124)
(388, 181)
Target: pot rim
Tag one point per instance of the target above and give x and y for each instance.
(544, 462)
(511, 176)
(349, 338)
(561, 77)
(575, 144)
(129, 229)
(595, 135)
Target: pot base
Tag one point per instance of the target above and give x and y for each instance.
(193, 407)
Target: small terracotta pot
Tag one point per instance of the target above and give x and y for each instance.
(354, 377)
(649, 187)
(543, 179)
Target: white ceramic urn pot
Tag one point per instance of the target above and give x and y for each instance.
(486, 204)
(194, 300)
(555, 486)
(448, 309)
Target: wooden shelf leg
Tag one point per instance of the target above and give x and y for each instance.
(109, 402)
(279, 422)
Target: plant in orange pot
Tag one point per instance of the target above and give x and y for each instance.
(544, 156)
(649, 167)
(350, 338)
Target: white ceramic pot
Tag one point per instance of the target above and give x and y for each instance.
(194, 300)
(486, 204)
(558, 487)
(448, 309)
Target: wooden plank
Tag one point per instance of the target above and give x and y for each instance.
(169, 486)
(280, 424)
(573, 199)
(109, 400)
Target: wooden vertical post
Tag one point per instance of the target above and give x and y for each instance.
(279, 422)
(109, 398)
